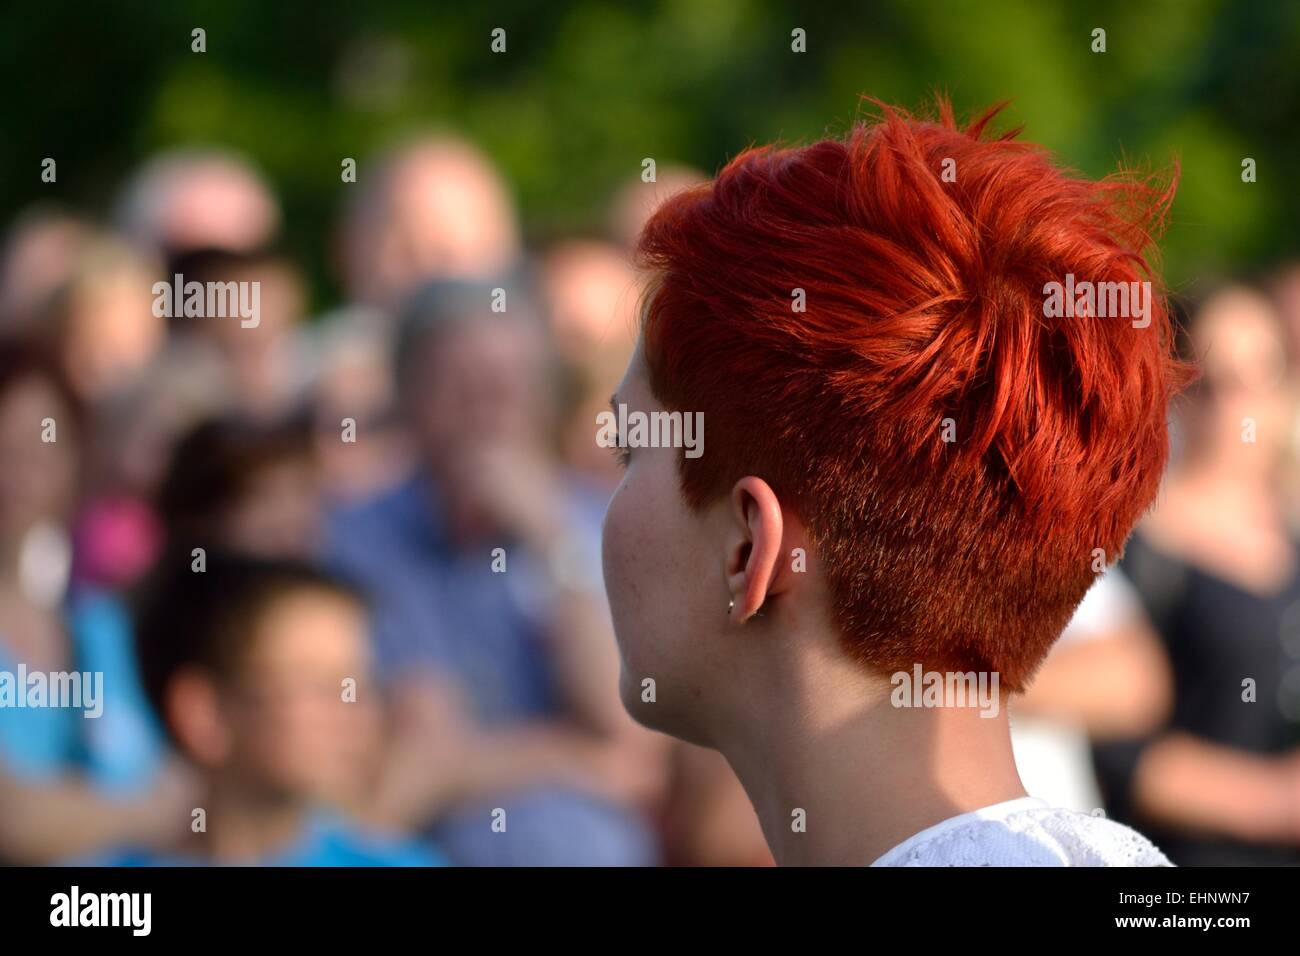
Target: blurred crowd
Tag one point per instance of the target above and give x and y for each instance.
(341, 571)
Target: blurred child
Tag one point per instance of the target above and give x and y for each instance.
(261, 672)
(249, 486)
(261, 357)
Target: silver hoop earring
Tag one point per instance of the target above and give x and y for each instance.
(731, 605)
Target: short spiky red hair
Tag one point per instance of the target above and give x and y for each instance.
(924, 302)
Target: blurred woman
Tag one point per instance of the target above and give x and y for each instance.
(1219, 574)
(71, 781)
(101, 322)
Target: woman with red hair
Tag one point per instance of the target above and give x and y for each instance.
(933, 379)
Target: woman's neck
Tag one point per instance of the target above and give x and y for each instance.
(866, 774)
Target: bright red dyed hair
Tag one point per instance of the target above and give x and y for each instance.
(924, 301)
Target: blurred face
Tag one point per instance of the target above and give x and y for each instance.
(445, 214)
(1243, 358)
(37, 478)
(37, 261)
(591, 297)
(288, 728)
(665, 576)
(111, 334)
(480, 382)
(279, 516)
(453, 218)
(280, 305)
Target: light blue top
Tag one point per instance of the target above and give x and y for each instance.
(118, 751)
(326, 840)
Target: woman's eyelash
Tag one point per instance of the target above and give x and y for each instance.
(621, 453)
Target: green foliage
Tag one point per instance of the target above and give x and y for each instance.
(586, 90)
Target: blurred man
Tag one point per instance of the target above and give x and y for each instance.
(434, 208)
(192, 199)
(590, 291)
(484, 571)
(637, 200)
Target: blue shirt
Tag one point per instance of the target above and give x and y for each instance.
(436, 608)
(439, 608)
(118, 751)
(326, 840)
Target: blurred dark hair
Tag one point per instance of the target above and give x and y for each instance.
(214, 465)
(209, 619)
(23, 358)
(215, 264)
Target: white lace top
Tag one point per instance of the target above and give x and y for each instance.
(1025, 832)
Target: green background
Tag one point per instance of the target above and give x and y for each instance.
(586, 90)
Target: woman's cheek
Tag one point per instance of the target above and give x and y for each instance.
(613, 544)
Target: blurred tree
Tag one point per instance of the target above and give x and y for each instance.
(586, 90)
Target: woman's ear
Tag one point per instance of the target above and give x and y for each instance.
(753, 546)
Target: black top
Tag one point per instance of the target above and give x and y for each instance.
(1216, 635)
